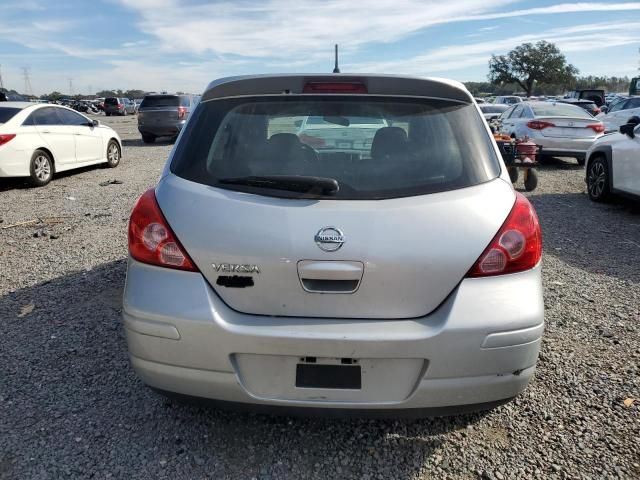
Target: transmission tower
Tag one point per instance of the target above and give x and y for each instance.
(26, 73)
(1, 82)
(71, 87)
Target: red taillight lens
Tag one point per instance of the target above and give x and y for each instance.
(182, 112)
(516, 247)
(120, 105)
(6, 137)
(151, 239)
(335, 87)
(539, 124)
(596, 127)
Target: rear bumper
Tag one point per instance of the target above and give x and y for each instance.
(480, 346)
(161, 130)
(564, 146)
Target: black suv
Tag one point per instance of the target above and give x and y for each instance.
(595, 95)
(164, 115)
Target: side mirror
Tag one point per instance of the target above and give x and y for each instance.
(604, 109)
(94, 123)
(627, 129)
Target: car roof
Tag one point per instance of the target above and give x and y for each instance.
(278, 84)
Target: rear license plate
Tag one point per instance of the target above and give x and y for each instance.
(309, 375)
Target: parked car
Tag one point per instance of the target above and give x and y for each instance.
(164, 115)
(613, 165)
(559, 129)
(327, 134)
(406, 276)
(507, 99)
(119, 106)
(39, 140)
(493, 111)
(3, 97)
(593, 94)
(587, 105)
(618, 113)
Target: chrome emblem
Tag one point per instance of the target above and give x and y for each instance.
(571, 124)
(329, 239)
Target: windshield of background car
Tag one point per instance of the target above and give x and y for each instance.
(160, 101)
(7, 113)
(493, 108)
(560, 110)
(375, 147)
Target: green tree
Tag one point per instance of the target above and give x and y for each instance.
(53, 96)
(106, 93)
(529, 63)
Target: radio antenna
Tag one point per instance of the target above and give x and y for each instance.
(336, 69)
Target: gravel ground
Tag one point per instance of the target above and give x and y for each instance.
(73, 408)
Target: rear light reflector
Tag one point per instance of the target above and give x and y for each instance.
(182, 112)
(539, 124)
(335, 87)
(596, 127)
(120, 105)
(516, 247)
(6, 137)
(151, 239)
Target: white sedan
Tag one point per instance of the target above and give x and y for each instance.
(38, 140)
(613, 164)
(619, 113)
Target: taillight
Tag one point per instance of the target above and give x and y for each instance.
(120, 105)
(335, 87)
(539, 124)
(516, 247)
(6, 137)
(596, 111)
(596, 127)
(151, 239)
(182, 112)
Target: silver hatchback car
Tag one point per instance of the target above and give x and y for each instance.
(340, 269)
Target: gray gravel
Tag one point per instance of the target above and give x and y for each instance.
(72, 408)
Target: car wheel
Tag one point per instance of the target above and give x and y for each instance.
(113, 154)
(513, 174)
(148, 138)
(598, 180)
(41, 168)
(107, 114)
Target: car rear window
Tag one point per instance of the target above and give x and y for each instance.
(161, 101)
(111, 101)
(413, 146)
(493, 108)
(7, 113)
(560, 110)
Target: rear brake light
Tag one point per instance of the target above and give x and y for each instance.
(120, 105)
(335, 87)
(596, 127)
(182, 112)
(539, 124)
(516, 247)
(151, 239)
(6, 137)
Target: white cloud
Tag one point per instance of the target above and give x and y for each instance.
(588, 37)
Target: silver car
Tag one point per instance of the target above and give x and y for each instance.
(404, 276)
(559, 128)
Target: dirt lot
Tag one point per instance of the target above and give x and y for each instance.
(73, 408)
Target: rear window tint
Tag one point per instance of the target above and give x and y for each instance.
(160, 101)
(111, 101)
(413, 147)
(7, 114)
(560, 110)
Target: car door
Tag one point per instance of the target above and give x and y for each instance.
(509, 124)
(58, 138)
(626, 164)
(88, 139)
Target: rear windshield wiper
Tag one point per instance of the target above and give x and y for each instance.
(293, 183)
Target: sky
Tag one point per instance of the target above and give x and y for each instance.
(80, 46)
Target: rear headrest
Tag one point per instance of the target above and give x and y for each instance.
(389, 141)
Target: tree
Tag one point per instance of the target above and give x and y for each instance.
(529, 63)
(106, 93)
